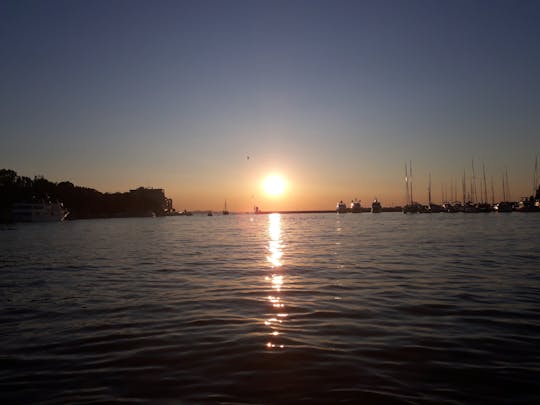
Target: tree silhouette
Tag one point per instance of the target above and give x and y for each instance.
(81, 202)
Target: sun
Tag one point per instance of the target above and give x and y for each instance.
(274, 185)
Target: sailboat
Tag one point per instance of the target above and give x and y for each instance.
(532, 203)
(469, 204)
(484, 206)
(411, 207)
(505, 205)
(225, 210)
(432, 208)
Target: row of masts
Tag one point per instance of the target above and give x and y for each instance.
(469, 194)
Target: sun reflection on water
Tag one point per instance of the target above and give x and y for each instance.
(274, 258)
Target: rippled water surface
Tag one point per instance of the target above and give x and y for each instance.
(362, 308)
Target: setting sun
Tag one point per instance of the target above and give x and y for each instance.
(274, 185)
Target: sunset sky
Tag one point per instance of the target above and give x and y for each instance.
(207, 98)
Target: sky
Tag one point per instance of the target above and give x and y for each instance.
(207, 98)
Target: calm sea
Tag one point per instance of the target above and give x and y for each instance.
(363, 308)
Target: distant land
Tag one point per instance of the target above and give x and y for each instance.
(81, 202)
(88, 203)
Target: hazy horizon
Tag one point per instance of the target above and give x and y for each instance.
(205, 99)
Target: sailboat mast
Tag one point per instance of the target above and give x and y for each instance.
(473, 184)
(407, 198)
(464, 188)
(508, 187)
(492, 192)
(504, 189)
(485, 185)
(410, 172)
(535, 178)
(442, 193)
(429, 190)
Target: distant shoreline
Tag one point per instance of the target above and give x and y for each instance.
(368, 210)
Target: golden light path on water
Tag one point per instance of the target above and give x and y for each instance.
(274, 258)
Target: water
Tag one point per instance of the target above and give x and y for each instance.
(440, 308)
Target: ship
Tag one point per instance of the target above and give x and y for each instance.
(38, 212)
(341, 207)
(376, 206)
(356, 207)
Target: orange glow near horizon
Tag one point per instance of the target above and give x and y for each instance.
(308, 188)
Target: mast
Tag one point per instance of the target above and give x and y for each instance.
(473, 184)
(429, 191)
(503, 189)
(464, 188)
(442, 193)
(407, 198)
(485, 186)
(535, 177)
(492, 192)
(410, 173)
(508, 187)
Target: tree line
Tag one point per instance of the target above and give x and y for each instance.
(81, 202)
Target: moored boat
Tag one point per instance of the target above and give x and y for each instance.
(341, 207)
(528, 204)
(356, 207)
(435, 208)
(504, 206)
(413, 208)
(376, 206)
(531, 203)
(470, 208)
(39, 212)
(452, 207)
(484, 207)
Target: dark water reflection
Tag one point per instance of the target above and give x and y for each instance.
(265, 309)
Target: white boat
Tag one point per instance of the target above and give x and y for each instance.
(504, 206)
(356, 206)
(38, 212)
(376, 206)
(341, 207)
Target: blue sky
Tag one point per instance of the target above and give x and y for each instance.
(336, 96)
